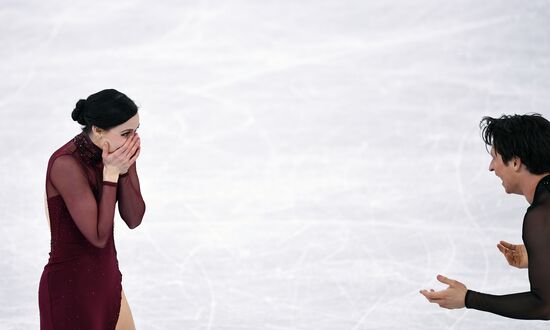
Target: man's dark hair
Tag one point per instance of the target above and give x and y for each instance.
(524, 136)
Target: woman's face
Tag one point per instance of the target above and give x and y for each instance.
(116, 136)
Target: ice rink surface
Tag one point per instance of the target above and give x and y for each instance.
(307, 165)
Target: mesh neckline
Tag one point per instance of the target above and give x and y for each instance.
(89, 152)
(543, 185)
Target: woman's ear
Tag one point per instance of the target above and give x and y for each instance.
(98, 132)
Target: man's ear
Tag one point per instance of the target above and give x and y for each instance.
(517, 164)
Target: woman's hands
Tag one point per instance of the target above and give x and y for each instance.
(516, 255)
(119, 161)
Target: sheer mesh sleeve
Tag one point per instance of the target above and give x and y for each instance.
(93, 218)
(534, 304)
(130, 203)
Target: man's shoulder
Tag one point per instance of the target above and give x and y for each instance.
(539, 211)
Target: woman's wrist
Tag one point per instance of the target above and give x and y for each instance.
(127, 172)
(110, 174)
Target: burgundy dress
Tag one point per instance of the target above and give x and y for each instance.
(80, 287)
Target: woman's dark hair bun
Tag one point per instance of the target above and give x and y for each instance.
(78, 112)
(104, 109)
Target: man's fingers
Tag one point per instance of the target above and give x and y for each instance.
(438, 301)
(445, 280)
(508, 245)
(427, 294)
(504, 250)
(433, 295)
(435, 301)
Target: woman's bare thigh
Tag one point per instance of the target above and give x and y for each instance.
(125, 319)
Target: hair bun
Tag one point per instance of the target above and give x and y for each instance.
(78, 112)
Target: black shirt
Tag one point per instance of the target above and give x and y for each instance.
(534, 304)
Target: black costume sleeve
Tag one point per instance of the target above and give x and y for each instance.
(534, 304)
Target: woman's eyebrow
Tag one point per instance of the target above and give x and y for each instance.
(129, 130)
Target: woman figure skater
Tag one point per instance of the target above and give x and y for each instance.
(80, 287)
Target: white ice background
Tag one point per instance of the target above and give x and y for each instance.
(307, 165)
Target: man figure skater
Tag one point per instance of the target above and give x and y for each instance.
(520, 150)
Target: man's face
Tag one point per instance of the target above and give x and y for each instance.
(506, 173)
